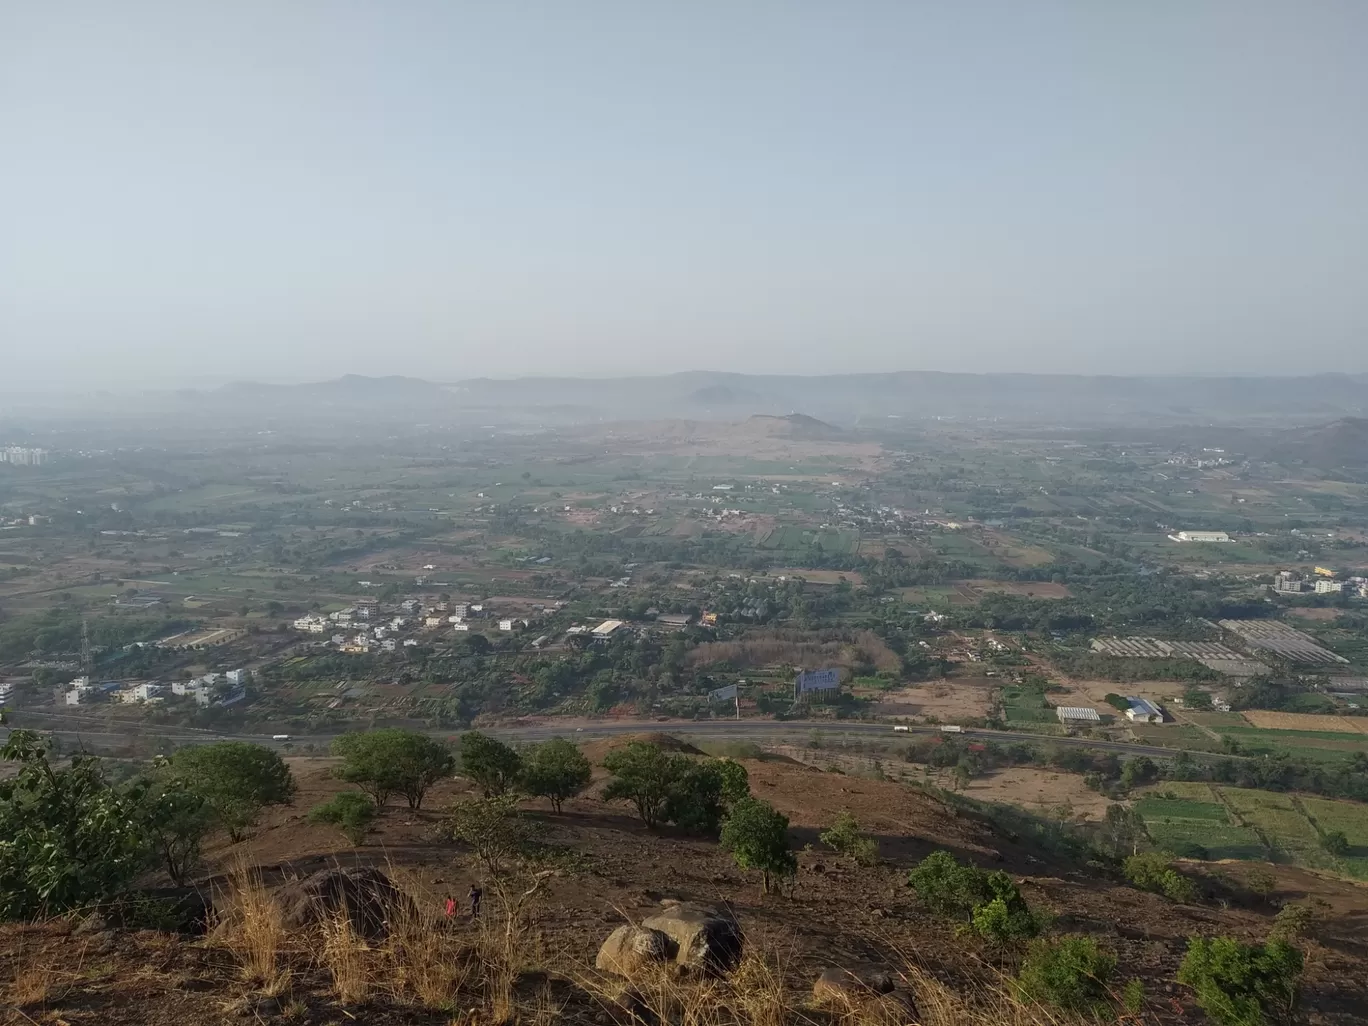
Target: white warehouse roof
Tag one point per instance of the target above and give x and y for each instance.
(1075, 712)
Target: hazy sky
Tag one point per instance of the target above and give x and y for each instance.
(201, 191)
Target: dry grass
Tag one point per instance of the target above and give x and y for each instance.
(348, 960)
(251, 927)
(480, 978)
(33, 984)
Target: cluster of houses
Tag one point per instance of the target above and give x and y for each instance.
(1322, 582)
(218, 689)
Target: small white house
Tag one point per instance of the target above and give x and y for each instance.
(311, 624)
(506, 625)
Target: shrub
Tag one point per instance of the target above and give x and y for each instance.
(757, 836)
(1005, 916)
(1070, 973)
(177, 820)
(1336, 843)
(1242, 984)
(351, 812)
(1151, 871)
(490, 763)
(844, 836)
(1292, 922)
(945, 886)
(494, 828)
(991, 902)
(556, 770)
(393, 761)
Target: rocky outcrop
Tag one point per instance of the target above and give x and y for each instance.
(364, 895)
(630, 949)
(705, 939)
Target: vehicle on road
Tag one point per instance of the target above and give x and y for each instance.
(902, 728)
(952, 729)
(281, 737)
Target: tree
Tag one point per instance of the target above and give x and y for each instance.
(1242, 984)
(556, 770)
(756, 834)
(645, 775)
(494, 829)
(237, 780)
(844, 836)
(695, 799)
(490, 763)
(1071, 973)
(393, 761)
(351, 811)
(1124, 828)
(68, 838)
(735, 781)
(177, 819)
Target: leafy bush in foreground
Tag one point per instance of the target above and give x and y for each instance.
(1243, 984)
(1070, 973)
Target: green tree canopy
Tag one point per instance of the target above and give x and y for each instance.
(177, 819)
(735, 781)
(393, 761)
(645, 775)
(236, 778)
(490, 763)
(757, 836)
(555, 769)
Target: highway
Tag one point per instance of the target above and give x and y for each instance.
(834, 732)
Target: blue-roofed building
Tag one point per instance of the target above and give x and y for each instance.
(1142, 710)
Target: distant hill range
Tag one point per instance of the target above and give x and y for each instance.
(1341, 443)
(809, 406)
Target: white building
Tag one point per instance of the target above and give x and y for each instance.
(311, 624)
(606, 629)
(459, 611)
(237, 677)
(1200, 536)
(460, 626)
(1323, 586)
(432, 621)
(506, 625)
(140, 693)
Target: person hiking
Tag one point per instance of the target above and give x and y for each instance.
(475, 895)
(450, 906)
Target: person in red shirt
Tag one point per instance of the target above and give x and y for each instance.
(450, 907)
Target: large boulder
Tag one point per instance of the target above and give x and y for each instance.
(630, 949)
(366, 896)
(704, 938)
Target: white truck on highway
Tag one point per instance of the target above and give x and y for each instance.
(952, 729)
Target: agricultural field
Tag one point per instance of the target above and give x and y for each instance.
(1180, 825)
(1291, 836)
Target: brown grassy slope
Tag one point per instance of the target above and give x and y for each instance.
(838, 915)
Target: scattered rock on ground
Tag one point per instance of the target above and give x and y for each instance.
(873, 995)
(365, 895)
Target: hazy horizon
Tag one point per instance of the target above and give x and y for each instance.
(293, 193)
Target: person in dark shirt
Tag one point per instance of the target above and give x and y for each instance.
(475, 895)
